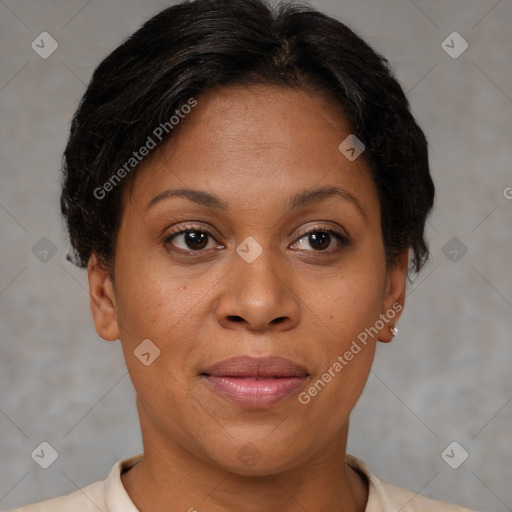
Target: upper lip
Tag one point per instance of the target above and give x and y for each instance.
(248, 366)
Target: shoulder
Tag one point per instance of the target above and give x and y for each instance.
(106, 496)
(391, 498)
(405, 500)
(87, 499)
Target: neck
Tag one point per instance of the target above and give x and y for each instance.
(171, 478)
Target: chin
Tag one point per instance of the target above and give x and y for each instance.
(259, 459)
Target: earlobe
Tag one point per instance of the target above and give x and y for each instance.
(394, 298)
(102, 300)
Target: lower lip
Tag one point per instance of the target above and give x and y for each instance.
(252, 393)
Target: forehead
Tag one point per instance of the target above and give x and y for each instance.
(255, 139)
(260, 117)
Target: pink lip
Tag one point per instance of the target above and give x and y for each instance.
(256, 383)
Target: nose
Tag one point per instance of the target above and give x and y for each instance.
(258, 296)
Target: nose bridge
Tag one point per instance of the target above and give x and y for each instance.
(257, 291)
(260, 280)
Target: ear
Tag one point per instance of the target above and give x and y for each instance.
(394, 296)
(102, 300)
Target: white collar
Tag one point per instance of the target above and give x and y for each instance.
(379, 500)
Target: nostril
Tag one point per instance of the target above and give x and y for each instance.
(279, 320)
(235, 318)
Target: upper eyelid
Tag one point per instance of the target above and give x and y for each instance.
(301, 234)
(320, 227)
(185, 229)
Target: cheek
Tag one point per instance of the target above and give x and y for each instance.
(346, 352)
(150, 301)
(350, 313)
(156, 301)
(350, 300)
(154, 308)
(347, 308)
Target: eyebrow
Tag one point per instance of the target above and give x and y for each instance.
(309, 197)
(299, 200)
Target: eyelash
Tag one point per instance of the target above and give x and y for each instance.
(343, 240)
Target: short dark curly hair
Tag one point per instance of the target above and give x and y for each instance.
(196, 46)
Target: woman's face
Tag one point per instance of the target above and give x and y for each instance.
(273, 250)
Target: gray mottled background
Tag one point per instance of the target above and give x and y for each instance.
(445, 378)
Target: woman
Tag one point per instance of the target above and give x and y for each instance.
(245, 187)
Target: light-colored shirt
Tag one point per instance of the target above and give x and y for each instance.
(111, 496)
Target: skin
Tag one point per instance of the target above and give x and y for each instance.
(254, 147)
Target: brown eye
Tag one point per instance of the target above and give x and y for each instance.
(320, 240)
(189, 240)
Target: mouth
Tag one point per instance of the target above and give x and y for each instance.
(255, 383)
